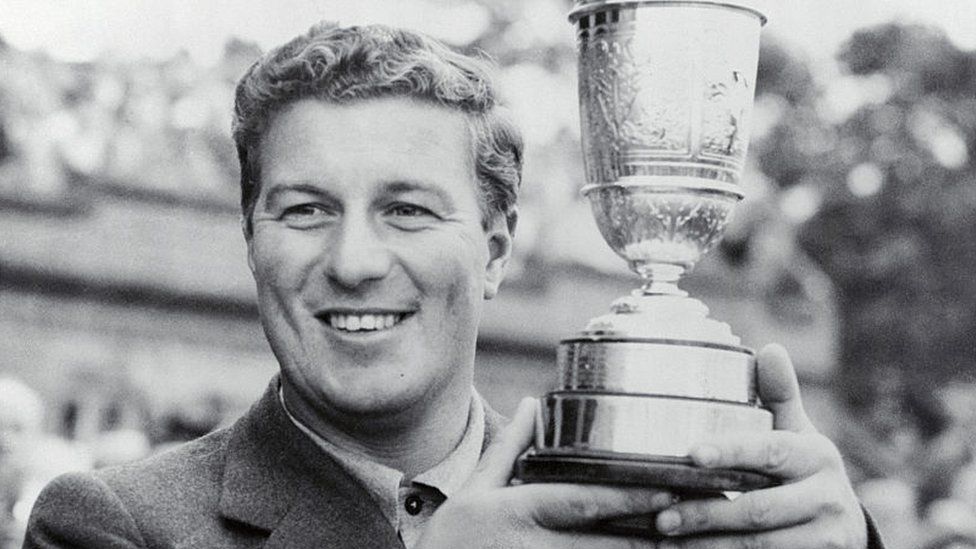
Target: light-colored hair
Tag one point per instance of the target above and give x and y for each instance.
(342, 65)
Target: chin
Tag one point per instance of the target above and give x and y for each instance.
(370, 395)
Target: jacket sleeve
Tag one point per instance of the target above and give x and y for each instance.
(80, 511)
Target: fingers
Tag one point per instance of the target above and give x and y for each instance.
(495, 468)
(569, 506)
(760, 510)
(581, 540)
(807, 536)
(782, 454)
(504, 536)
(779, 390)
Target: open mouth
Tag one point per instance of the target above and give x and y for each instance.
(363, 322)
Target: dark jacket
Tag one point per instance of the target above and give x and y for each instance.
(258, 483)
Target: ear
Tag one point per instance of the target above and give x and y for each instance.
(249, 241)
(500, 234)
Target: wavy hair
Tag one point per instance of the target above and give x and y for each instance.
(341, 65)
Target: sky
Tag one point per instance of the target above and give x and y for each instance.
(77, 30)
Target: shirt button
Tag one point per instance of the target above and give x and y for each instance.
(413, 504)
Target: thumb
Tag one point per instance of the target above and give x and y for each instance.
(495, 468)
(779, 390)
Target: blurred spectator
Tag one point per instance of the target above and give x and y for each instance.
(194, 418)
(21, 415)
(964, 483)
(892, 504)
(953, 517)
(22, 443)
(119, 446)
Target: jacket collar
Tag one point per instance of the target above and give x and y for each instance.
(277, 480)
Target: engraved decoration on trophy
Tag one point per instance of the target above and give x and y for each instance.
(665, 90)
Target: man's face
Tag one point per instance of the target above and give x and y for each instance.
(369, 252)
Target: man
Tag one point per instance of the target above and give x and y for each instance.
(378, 192)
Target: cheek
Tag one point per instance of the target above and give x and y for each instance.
(282, 265)
(454, 299)
(463, 280)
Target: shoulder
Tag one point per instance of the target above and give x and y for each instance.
(124, 506)
(188, 473)
(79, 510)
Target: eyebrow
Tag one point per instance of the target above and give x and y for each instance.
(395, 187)
(409, 185)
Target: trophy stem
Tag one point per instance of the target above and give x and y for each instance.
(660, 278)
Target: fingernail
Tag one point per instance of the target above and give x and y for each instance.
(705, 456)
(668, 522)
(662, 500)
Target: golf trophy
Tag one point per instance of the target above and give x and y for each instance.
(666, 89)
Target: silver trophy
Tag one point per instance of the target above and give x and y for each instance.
(666, 89)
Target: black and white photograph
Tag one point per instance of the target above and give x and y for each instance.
(461, 274)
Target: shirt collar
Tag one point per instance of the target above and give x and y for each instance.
(449, 475)
(383, 482)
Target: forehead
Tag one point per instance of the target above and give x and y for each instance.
(378, 139)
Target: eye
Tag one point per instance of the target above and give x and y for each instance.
(409, 210)
(409, 216)
(305, 215)
(302, 210)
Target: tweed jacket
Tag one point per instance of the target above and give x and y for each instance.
(259, 483)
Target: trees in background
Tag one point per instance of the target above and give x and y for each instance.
(896, 229)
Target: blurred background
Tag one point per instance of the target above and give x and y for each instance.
(127, 313)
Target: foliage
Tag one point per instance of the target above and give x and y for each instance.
(895, 231)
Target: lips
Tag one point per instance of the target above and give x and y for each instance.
(363, 321)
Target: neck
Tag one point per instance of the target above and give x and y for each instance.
(411, 440)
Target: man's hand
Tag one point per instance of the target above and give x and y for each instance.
(814, 507)
(490, 513)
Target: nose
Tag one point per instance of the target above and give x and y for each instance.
(357, 254)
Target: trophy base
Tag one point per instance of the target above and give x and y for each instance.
(682, 478)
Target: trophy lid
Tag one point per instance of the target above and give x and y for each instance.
(582, 7)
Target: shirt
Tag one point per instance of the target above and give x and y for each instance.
(409, 503)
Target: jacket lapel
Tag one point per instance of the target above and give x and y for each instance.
(277, 480)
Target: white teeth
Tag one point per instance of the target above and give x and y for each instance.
(365, 322)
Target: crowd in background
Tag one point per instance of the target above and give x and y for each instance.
(37, 444)
(159, 128)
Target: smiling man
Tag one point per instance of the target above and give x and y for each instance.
(372, 260)
(378, 191)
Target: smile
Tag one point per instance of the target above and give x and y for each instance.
(363, 322)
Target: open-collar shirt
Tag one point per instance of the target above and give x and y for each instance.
(409, 503)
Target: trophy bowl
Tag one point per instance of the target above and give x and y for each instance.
(666, 90)
(660, 231)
